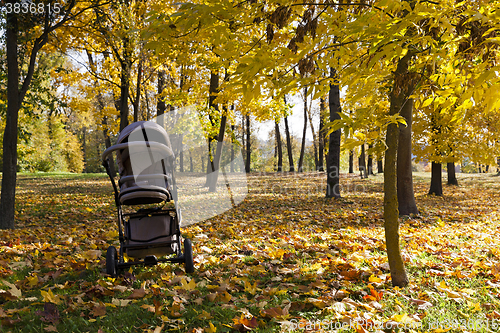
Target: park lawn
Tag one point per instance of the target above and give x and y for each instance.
(285, 258)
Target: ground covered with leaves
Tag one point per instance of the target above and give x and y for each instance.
(286, 259)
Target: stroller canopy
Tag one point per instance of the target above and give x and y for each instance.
(145, 164)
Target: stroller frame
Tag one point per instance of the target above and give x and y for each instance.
(172, 244)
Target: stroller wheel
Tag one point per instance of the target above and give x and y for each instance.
(188, 256)
(111, 261)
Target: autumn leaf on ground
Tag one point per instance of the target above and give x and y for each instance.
(50, 328)
(50, 313)
(211, 328)
(14, 291)
(137, 293)
(92, 254)
(374, 295)
(49, 297)
(276, 312)
(98, 311)
(243, 324)
(188, 286)
(10, 321)
(422, 305)
(120, 302)
(250, 288)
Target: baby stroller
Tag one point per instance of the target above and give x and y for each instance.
(146, 168)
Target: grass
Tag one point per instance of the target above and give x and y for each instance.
(286, 257)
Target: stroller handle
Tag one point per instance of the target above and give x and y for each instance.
(139, 144)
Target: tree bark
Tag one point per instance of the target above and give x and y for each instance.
(232, 144)
(452, 177)
(279, 167)
(9, 167)
(351, 161)
(84, 148)
(391, 213)
(406, 197)
(333, 160)
(107, 143)
(289, 146)
(181, 159)
(160, 100)
(213, 90)
(315, 146)
(126, 65)
(247, 165)
(370, 162)
(380, 166)
(436, 179)
(362, 163)
(304, 131)
(218, 153)
(191, 166)
(137, 100)
(321, 134)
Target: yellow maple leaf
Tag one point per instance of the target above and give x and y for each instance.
(188, 286)
(211, 328)
(374, 279)
(251, 288)
(49, 297)
(225, 297)
(32, 280)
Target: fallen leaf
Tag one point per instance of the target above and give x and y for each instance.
(137, 293)
(50, 328)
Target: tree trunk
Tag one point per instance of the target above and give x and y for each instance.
(391, 213)
(370, 162)
(362, 163)
(436, 180)
(380, 166)
(304, 131)
(333, 160)
(181, 159)
(278, 145)
(218, 153)
(289, 146)
(84, 148)
(9, 168)
(107, 143)
(321, 134)
(126, 65)
(406, 197)
(247, 165)
(213, 90)
(351, 161)
(191, 166)
(315, 146)
(160, 100)
(137, 100)
(232, 145)
(452, 177)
